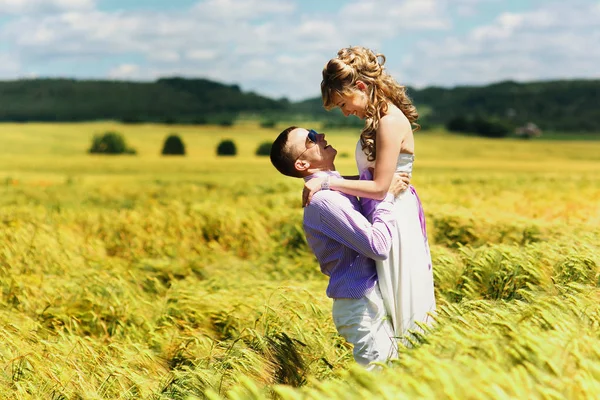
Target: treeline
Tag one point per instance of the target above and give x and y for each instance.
(171, 100)
(569, 105)
(558, 105)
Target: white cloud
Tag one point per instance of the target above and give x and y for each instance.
(264, 45)
(201, 55)
(43, 6)
(377, 20)
(547, 43)
(164, 56)
(192, 43)
(236, 10)
(124, 71)
(9, 66)
(270, 46)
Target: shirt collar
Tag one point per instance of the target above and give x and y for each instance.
(321, 174)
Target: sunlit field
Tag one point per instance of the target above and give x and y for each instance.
(151, 277)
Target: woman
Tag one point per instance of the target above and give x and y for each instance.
(356, 82)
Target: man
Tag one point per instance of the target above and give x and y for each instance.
(345, 243)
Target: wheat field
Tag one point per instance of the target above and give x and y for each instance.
(150, 277)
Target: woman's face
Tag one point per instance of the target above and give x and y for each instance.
(354, 103)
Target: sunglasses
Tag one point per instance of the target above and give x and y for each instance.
(312, 138)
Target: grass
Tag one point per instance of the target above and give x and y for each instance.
(154, 277)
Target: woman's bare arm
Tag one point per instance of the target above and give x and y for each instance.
(390, 135)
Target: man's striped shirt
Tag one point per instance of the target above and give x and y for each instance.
(345, 242)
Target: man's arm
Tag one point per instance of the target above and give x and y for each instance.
(336, 217)
(400, 182)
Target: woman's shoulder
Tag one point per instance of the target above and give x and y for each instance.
(394, 121)
(394, 127)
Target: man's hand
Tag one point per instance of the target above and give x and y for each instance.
(400, 183)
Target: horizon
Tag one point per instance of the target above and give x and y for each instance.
(112, 80)
(278, 47)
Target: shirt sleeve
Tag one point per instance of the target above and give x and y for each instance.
(343, 222)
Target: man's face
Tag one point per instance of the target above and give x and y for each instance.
(312, 148)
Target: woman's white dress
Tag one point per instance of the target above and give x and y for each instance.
(406, 276)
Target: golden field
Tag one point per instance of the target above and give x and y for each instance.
(150, 277)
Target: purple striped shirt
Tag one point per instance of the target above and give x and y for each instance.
(345, 242)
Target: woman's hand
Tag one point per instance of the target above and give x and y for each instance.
(310, 188)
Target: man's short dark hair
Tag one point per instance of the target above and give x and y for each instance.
(281, 157)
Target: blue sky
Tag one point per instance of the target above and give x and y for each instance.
(278, 47)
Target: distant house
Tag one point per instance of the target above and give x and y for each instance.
(528, 131)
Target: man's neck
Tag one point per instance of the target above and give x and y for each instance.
(327, 169)
(316, 173)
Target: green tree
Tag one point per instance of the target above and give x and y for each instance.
(226, 121)
(173, 146)
(226, 148)
(269, 123)
(264, 149)
(489, 128)
(110, 143)
(458, 124)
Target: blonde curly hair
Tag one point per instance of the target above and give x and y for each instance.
(361, 64)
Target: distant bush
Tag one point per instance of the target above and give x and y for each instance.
(169, 120)
(490, 128)
(458, 124)
(110, 143)
(199, 121)
(264, 149)
(269, 123)
(226, 148)
(479, 126)
(173, 146)
(132, 120)
(226, 122)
